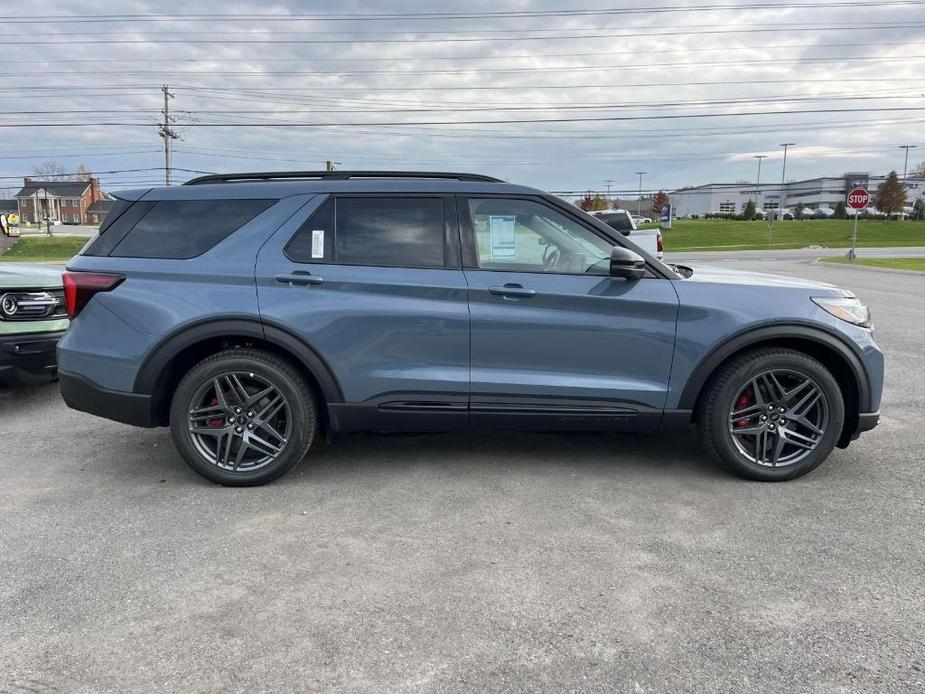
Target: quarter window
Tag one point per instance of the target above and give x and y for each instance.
(525, 236)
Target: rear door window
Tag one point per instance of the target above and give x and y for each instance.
(175, 228)
(391, 232)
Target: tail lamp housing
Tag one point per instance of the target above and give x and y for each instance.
(80, 287)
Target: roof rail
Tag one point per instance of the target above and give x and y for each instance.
(335, 176)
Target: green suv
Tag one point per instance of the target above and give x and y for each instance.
(32, 320)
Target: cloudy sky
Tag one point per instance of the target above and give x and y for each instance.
(564, 96)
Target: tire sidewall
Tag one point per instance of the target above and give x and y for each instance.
(794, 362)
(302, 408)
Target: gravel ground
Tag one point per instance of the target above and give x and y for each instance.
(470, 563)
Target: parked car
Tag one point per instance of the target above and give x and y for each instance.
(32, 320)
(649, 240)
(256, 313)
(642, 220)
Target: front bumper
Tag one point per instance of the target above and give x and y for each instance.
(83, 394)
(28, 357)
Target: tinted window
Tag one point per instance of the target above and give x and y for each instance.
(389, 231)
(617, 220)
(116, 226)
(186, 228)
(399, 232)
(525, 236)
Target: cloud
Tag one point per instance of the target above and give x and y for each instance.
(700, 91)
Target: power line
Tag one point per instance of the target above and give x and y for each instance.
(904, 26)
(565, 68)
(404, 16)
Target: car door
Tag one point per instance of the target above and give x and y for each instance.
(372, 285)
(556, 341)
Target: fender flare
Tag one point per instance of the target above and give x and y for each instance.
(757, 335)
(156, 363)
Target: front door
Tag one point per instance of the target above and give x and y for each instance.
(556, 342)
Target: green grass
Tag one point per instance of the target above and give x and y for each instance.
(891, 263)
(730, 235)
(38, 249)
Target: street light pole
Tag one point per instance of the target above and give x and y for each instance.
(906, 160)
(780, 202)
(759, 157)
(639, 202)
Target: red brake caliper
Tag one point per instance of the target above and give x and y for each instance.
(218, 421)
(744, 401)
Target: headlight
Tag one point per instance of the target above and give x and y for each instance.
(847, 308)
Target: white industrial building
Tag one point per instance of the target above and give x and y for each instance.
(814, 193)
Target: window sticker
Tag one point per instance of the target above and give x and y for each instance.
(317, 243)
(503, 236)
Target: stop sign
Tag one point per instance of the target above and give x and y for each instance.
(858, 199)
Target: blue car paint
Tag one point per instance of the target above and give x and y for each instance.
(411, 335)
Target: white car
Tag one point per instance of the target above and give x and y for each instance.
(650, 240)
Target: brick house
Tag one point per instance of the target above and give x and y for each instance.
(65, 201)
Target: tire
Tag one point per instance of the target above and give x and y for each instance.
(741, 422)
(228, 435)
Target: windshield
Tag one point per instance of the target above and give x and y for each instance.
(617, 220)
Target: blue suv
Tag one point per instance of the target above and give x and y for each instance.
(255, 313)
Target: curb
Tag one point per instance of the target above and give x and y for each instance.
(820, 261)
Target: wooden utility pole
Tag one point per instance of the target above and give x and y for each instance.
(166, 132)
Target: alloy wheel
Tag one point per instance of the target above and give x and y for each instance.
(239, 421)
(778, 418)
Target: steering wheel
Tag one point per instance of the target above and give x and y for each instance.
(551, 255)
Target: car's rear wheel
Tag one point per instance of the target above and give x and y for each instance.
(243, 417)
(772, 414)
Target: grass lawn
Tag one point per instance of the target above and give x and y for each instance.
(37, 249)
(892, 263)
(724, 234)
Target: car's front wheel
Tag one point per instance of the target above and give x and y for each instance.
(772, 414)
(243, 417)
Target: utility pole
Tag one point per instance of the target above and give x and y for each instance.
(608, 183)
(331, 165)
(780, 203)
(639, 202)
(759, 157)
(906, 161)
(166, 132)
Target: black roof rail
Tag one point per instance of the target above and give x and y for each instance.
(335, 176)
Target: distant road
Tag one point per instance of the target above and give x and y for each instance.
(791, 254)
(63, 230)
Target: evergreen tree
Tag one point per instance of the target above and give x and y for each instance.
(749, 212)
(841, 210)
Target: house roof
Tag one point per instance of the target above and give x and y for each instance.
(101, 206)
(8, 206)
(61, 188)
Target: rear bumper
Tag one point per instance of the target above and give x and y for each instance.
(83, 394)
(28, 357)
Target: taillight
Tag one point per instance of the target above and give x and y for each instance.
(660, 245)
(79, 288)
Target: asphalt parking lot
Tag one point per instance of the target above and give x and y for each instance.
(470, 562)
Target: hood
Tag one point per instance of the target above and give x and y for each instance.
(721, 275)
(18, 275)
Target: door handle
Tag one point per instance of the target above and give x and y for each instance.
(299, 278)
(512, 291)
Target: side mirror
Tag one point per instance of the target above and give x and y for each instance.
(626, 263)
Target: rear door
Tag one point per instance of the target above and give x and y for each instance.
(372, 284)
(556, 341)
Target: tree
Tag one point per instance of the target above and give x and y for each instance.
(593, 203)
(748, 213)
(659, 203)
(841, 210)
(891, 195)
(798, 210)
(50, 171)
(918, 170)
(82, 173)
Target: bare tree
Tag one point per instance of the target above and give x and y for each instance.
(50, 171)
(82, 173)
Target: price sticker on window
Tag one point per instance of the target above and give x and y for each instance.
(317, 243)
(503, 235)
